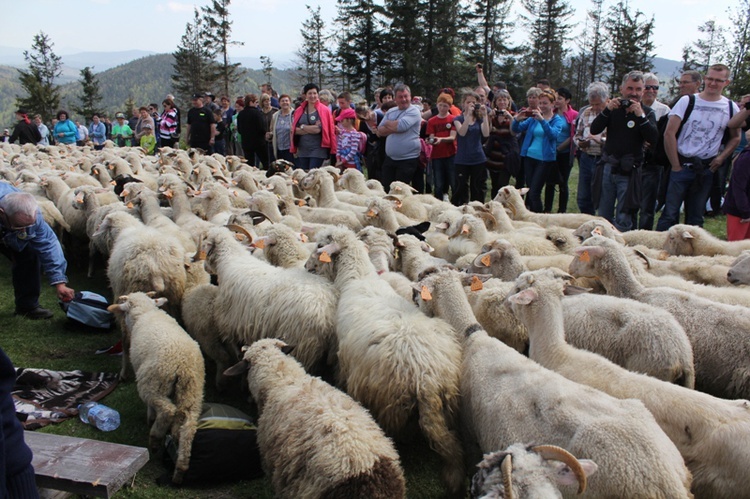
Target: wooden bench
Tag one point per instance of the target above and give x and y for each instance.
(83, 466)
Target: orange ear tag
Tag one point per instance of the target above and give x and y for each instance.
(426, 296)
(325, 257)
(129, 206)
(476, 284)
(486, 260)
(112, 182)
(304, 238)
(260, 244)
(371, 213)
(597, 231)
(201, 255)
(584, 257)
(300, 203)
(464, 229)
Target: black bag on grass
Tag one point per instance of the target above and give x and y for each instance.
(90, 310)
(224, 448)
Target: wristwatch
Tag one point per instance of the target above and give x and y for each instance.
(302, 127)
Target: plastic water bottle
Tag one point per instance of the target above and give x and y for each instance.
(103, 417)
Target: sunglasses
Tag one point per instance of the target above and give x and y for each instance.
(652, 87)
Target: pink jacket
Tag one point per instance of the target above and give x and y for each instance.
(328, 139)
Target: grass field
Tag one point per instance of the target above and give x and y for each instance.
(54, 345)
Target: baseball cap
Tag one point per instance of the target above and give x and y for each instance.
(347, 113)
(198, 96)
(119, 115)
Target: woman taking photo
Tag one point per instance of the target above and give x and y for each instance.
(472, 126)
(503, 159)
(539, 146)
(168, 124)
(313, 135)
(564, 163)
(281, 129)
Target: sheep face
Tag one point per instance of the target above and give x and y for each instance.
(588, 261)
(680, 240)
(522, 471)
(739, 271)
(594, 228)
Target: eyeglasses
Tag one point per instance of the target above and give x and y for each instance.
(714, 80)
(652, 87)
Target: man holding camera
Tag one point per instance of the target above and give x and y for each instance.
(629, 126)
(694, 148)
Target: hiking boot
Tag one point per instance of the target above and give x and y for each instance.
(36, 314)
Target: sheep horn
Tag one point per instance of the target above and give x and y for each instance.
(241, 230)
(507, 467)
(559, 454)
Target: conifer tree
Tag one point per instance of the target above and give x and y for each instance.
(90, 97)
(217, 33)
(195, 70)
(315, 54)
(361, 50)
(44, 66)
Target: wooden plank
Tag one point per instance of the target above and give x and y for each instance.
(83, 466)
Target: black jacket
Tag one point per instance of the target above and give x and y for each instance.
(25, 133)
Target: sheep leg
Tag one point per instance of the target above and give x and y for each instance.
(432, 421)
(165, 412)
(186, 435)
(92, 255)
(125, 350)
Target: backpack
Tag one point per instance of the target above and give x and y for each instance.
(89, 309)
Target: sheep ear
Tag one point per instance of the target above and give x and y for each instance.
(160, 302)
(287, 349)
(524, 297)
(523, 191)
(565, 476)
(237, 369)
(584, 252)
(687, 235)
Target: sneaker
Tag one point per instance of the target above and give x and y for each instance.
(36, 314)
(115, 349)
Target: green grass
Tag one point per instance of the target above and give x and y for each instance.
(54, 345)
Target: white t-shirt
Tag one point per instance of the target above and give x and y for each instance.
(702, 133)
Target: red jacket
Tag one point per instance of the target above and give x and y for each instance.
(328, 139)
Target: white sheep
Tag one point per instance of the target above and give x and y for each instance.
(738, 272)
(257, 300)
(690, 240)
(381, 249)
(315, 440)
(529, 471)
(710, 433)
(282, 246)
(507, 398)
(392, 358)
(716, 331)
(169, 374)
(511, 198)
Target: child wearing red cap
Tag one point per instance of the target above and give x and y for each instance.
(348, 141)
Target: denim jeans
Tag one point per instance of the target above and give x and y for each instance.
(614, 187)
(586, 166)
(26, 274)
(308, 163)
(287, 155)
(443, 175)
(651, 177)
(692, 189)
(536, 175)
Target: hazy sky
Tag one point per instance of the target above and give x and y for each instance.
(267, 27)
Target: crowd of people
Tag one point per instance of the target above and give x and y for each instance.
(636, 156)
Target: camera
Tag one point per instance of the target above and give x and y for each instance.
(625, 103)
(747, 105)
(479, 65)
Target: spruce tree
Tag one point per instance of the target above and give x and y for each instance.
(361, 51)
(90, 96)
(738, 54)
(267, 64)
(44, 66)
(217, 32)
(631, 47)
(549, 31)
(709, 48)
(195, 71)
(315, 54)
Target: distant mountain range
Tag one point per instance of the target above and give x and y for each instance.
(145, 80)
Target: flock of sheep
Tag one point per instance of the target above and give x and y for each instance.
(452, 320)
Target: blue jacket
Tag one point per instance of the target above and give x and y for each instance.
(98, 133)
(41, 239)
(551, 131)
(68, 128)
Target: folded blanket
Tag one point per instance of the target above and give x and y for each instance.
(43, 396)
